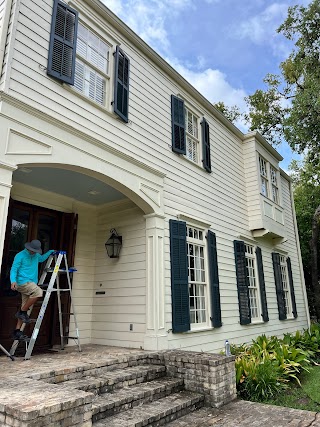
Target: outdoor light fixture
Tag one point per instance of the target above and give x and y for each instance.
(113, 244)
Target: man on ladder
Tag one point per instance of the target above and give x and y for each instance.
(24, 279)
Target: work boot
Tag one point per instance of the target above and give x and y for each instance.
(23, 316)
(19, 335)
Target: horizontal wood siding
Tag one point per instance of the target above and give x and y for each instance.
(123, 280)
(226, 199)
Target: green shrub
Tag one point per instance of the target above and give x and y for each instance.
(269, 364)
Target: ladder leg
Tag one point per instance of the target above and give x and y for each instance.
(6, 352)
(43, 309)
(60, 315)
(72, 306)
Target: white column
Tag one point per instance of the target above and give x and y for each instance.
(156, 335)
(6, 171)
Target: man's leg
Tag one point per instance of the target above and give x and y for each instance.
(25, 307)
(30, 293)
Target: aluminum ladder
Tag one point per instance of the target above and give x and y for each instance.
(55, 269)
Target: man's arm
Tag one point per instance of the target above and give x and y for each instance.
(14, 271)
(45, 256)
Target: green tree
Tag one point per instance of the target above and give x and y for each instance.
(231, 113)
(290, 106)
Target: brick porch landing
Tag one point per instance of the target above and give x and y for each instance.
(118, 387)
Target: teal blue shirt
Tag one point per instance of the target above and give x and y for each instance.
(25, 267)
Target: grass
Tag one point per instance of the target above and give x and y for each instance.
(306, 397)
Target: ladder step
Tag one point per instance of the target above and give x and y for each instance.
(73, 338)
(61, 270)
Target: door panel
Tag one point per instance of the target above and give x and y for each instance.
(25, 223)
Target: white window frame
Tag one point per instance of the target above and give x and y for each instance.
(192, 128)
(254, 285)
(95, 65)
(198, 277)
(286, 285)
(269, 180)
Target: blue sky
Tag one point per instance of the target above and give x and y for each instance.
(222, 47)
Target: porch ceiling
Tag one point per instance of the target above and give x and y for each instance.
(68, 183)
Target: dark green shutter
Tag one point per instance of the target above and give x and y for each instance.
(206, 156)
(179, 276)
(121, 84)
(214, 280)
(262, 286)
(293, 298)
(242, 282)
(63, 40)
(178, 125)
(279, 286)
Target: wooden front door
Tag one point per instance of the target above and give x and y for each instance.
(52, 228)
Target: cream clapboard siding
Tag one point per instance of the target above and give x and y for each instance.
(123, 280)
(6, 33)
(252, 184)
(219, 198)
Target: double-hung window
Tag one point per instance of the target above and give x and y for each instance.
(192, 136)
(187, 139)
(250, 283)
(253, 282)
(263, 177)
(268, 180)
(194, 277)
(284, 286)
(92, 65)
(197, 276)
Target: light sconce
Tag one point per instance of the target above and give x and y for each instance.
(113, 244)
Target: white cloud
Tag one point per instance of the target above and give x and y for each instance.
(261, 28)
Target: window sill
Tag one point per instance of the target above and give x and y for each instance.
(204, 329)
(90, 101)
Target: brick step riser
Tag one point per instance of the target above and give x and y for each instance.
(178, 414)
(136, 402)
(121, 383)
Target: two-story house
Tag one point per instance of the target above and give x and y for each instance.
(98, 132)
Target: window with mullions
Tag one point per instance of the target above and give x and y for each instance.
(192, 136)
(92, 65)
(253, 282)
(285, 285)
(196, 276)
(274, 185)
(263, 176)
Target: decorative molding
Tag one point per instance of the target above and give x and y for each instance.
(4, 165)
(20, 143)
(70, 129)
(4, 184)
(151, 192)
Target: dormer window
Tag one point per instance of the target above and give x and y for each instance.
(269, 182)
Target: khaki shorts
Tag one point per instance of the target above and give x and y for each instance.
(27, 290)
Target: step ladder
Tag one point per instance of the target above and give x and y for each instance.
(53, 286)
(6, 352)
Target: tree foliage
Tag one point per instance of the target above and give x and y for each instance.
(231, 113)
(290, 106)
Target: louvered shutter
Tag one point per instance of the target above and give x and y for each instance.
(121, 85)
(178, 125)
(206, 155)
(63, 39)
(242, 282)
(179, 276)
(279, 287)
(293, 298)
(262, 286)
(214, 280)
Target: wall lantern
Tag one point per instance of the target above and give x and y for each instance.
(113, 244)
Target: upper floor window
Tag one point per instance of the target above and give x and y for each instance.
(92, 65)
(192, 136)
(285, 285)
(197, 276)
(269, 180)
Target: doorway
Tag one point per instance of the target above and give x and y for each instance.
(55, 230)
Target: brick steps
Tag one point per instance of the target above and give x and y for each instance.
(156, 413)
(106, 381)
(108, 404)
